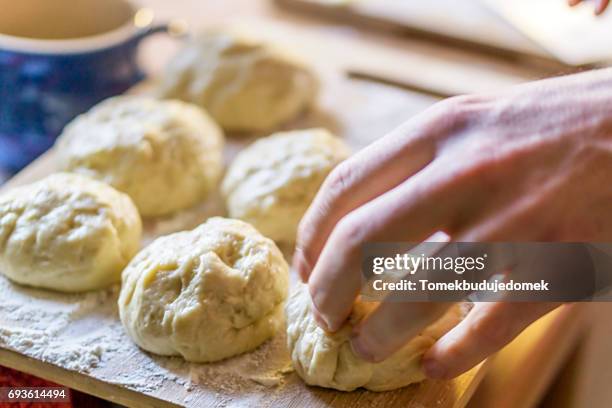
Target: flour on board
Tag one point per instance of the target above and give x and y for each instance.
(82, 332)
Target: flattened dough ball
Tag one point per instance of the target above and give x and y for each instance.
(166, 155)
(205, 294)
(327, 360)
(272, 182)
(67, 232)
(244, 84)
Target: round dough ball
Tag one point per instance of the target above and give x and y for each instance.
(272, 182)
(327, 360)
(166, 155)
(67, 232)
(205, 294)
(244, 84)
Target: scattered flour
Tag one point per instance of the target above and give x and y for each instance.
(82, 332)
(43, 325)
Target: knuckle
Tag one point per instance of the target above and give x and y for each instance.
(350, 232)
(307, 254)
(328, 200)
(304, 235)
(459, 111)
(455, 353)
(338, 181)
(454, 108)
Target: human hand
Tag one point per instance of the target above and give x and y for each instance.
(602, 5)
(530, 164)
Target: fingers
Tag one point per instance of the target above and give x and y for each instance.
(602, 5)
(392, 325)
(410, 212)
(368, 174)
(350, 185)
(486, 329)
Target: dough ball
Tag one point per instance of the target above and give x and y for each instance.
(205, 294)
(67, 232)
(272, 182)
(244, 84)
(166, 155)
(326, 359)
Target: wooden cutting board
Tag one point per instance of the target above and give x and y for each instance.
(360, 112)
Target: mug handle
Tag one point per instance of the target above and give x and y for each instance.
(175, 28)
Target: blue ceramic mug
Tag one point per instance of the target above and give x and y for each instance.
(57, 59)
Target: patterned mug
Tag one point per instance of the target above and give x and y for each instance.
(57, 59)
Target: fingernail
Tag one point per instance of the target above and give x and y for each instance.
(319, 320)
(433, 369)
(300, 266)
(361, 350)
(322, 321)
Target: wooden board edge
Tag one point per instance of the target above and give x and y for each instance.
(31, 172)
(528, 374)
(477, 379)
(80, 382)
